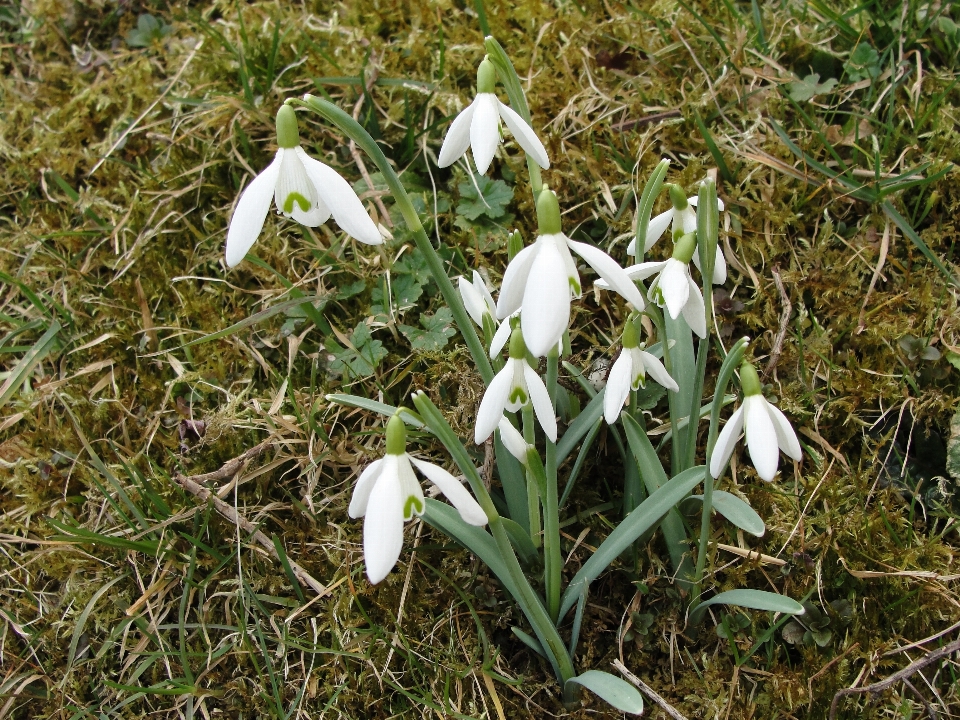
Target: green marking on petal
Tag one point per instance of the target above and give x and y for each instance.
(295, 197)
(411, 506)
(574, 285)
(518, 395)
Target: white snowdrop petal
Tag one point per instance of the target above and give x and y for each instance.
(674, 286)
(688, 218)
(693, 310)
(472, 301)
(719, 268)
(726, 440)
(540, 398)
(294, 186)
(512, 440)
(493, 402)
(618, 387)
(361, 492)
(410, 490)
(656, 228)
(524, 135)
(454, 491)
(761, 437)
(546, 300)
(481, 287)
(485, 130)
(383, 527)
(457, 141)
(335, 192)
(251, 212)
(610, 271)
(786, 437)
(658, 372)
(515, 281)
(500, 338)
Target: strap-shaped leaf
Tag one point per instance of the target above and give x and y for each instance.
(753, 599)
(520, 539)
(408, 416)
(475, 539)
(580, 427)
(529, 640)
(650, 512)
(616, 691)
(736, 511)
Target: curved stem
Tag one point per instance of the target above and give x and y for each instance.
(730, 363)
(531, 604)
(352, 129)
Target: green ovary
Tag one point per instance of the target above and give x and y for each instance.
(297, 198)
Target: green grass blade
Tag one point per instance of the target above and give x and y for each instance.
(911, 234)
(255, 318)
(81, 622)
(28, 362)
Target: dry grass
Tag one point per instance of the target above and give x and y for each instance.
(123, 596)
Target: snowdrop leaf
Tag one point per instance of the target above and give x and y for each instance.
(616, 691)
(753, 599)
(736, 511)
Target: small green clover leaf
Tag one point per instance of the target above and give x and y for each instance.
(149, 30)
(809, 87)
(436, 332)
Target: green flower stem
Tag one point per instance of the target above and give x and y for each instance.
(532, 606)
(730, 363)
(553, 563)
(533, 494)
(518, 101)
(352, 129)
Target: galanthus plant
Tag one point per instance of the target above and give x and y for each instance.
(510, 519)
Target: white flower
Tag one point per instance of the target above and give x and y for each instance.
(630, 372)
(542, 278)
(477, 299)
(513, 441)
(766, 428)
(478, 126)
(388, 494)
(683, 221)
(302, 188)
(512, 388)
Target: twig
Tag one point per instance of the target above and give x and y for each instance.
(656, 117)
(902, 675)
(193, 486)
(229, 468)
(784, 324)
(826, 667)
(668, 708)
(884, 249)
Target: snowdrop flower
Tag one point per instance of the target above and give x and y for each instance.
(630, 372)
(511, 389)
(477, 299)
(388, 493)
(542, 278)
(673, 287)
(683, 220)
(479, 127)
(513, 441)
(303, 188)
(767, 430)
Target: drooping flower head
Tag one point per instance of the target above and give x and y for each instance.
(388, 494)
(630, 372)
(478, 127)
(673, 288)
(543, 277)
(302, 188)
(766, 428)
(477, 299)
(682, 219)
(513, 387)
